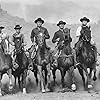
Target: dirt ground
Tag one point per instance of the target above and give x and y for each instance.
(53, 96)
(33, 92)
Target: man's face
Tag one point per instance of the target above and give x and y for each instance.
(61, 26)
(18, 30)
(39, 24)
(84, 23)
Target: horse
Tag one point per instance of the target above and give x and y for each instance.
(65, 61)
(31, 52)
(5, 66)
(23, 62)
(86, 58)
(42, 63)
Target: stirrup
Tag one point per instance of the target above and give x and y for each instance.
(77, 64)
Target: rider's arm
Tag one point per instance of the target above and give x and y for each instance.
(47, 36)
(92, 39)
(32, 36)
(54, 40)
(78, 33)
(4, 36)
(24, 42)
(11, 41)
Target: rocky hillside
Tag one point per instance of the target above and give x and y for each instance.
(10, 21)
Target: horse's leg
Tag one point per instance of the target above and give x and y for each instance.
(24, 75)
(89, 86)
(54, 75)
(48, 80)
(10, 79)
(19, 82)
(62, 76)
(0, 84)
(35, 74)
(82, 75)
(90, 74)
(73, 86)
(41, 78)
(46, 73)
(15, 81)
(94, 77)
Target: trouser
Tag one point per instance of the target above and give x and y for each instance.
(5, 46)
(95, 51)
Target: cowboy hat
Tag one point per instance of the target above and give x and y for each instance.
(2, 27)
(84, 19)
(17, 27)
(39, 19)
(61, 22)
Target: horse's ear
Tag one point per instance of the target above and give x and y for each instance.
(69, 30)
(89, 27)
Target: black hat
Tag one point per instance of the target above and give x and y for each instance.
(39, 19)
(2, 27)
(61, 22)
(17, 27)
(84, 19)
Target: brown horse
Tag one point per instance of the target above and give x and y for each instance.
(23, 63)
(86, 58)
(42, 60)
(65, 62)
(5, 66)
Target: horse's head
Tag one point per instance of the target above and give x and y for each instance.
(18, 46)
(86, 35)
(66, 43)
(40, 39)
(67, 38)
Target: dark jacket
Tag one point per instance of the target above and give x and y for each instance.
(35, 31)
(61, 35)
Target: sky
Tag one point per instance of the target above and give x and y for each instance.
(53, 10)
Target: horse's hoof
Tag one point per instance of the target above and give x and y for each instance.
(94, 78)
(90, 86)
(0, 94)
(43, 91)
(47, 90)
(73, 87)
(24, 90)
(10, 87)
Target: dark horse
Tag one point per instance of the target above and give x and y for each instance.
(22, 60)
(86, 58)
(5, 66)
(65, 61)
(42, 63)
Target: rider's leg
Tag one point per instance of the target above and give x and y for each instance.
(7, 46)
(76, 51)
(95, 53)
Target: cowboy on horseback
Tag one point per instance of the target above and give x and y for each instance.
(36, 31)
(4, 39)
(17, 37)
(79, 36)
(59, 37)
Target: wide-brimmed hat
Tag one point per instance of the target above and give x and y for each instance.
(17, 27)
(61, 22)
(2, 27)
(39, 19)
(85, 19)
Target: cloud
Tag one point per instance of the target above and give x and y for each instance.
(31, 2)
(52, 10)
